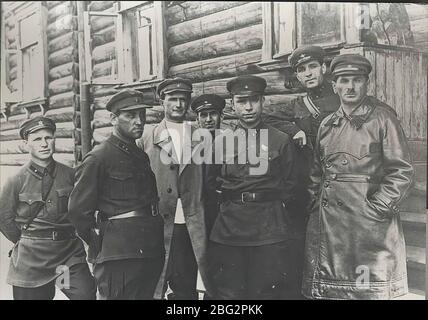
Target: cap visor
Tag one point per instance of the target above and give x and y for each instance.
(244, 94)
(177, 89)
(136, 107)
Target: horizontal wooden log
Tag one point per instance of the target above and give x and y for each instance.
(103, 53)
(61, 26)
(57, 115)
(63, 85)
(103, 36)
(13, 60)
(63, 56)
(100, 23)
(13, 73)
(10, 34)
(62, 100)
(21, 159)
(241, 40)
(52, 4)
(63, 130)
(100, 5)
(222, 67)
(102, 117)
(274, 79)
(195, 9)
(103, 91)
(62, 145)
(64, 8)
(14, 85)
(66, 40)
(103, 94)
(220, 22)
(105, 69)
(64, 70)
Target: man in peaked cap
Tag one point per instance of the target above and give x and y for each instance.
(361, 173)
(301, 119)
(180, 186)
(249, 242)
(125, 237)
(33, 215)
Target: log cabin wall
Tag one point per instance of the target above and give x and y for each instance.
(63, 89)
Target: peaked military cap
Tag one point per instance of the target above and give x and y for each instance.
(35, 124)
(126, 100)
(304, 54)
(350, 64)
(208, 102)
(175, 84)
(246, 85)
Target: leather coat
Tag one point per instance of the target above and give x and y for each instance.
(362, 171)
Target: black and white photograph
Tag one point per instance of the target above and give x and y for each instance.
(216, 151)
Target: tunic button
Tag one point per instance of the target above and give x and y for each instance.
(169, 190)
(49, 201)
(333, 176)
(326, 184)
(344, 162)
(339, 203)
(328, 164)
(141, 251)
(324, 203)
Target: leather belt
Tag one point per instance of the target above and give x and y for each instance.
(143, 212)
(55, 235)
(250, 196)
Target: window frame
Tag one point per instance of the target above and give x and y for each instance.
(20, 12)
(272, 60)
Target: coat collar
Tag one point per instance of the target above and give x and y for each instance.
(39, 171)
(126, 147)
(357, 117)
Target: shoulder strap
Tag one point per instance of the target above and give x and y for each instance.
(313, 109)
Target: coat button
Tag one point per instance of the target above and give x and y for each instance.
(49, 201)
(344, 162)
(324, 203)
(333, 176)
(326, 183)
(169, 190)
(339, 203)
(328, 164)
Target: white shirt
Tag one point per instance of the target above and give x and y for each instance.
(176, 132)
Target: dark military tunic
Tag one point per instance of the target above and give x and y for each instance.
(34, 261)
(116, 178)
(257, 223)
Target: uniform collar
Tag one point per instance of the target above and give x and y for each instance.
(357, 117)
(122, 145)
(325, 89)
(261, 125)
(40, 171)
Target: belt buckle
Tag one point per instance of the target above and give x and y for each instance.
(54, 235)
(253, 196)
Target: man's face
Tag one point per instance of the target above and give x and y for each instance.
(209, 119)
(248, 109)
(351, 89)
(311, 74)
(129, 124)
(41, 144)
(175, 105)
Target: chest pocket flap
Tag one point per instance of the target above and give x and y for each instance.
(30, 198)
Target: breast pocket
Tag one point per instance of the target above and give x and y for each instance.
(122, 185)
(28, 201)
(62, 199)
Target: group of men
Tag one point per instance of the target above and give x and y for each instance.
(319, 221)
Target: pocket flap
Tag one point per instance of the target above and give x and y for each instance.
(30, 198)
(121, 175)
(64, 192)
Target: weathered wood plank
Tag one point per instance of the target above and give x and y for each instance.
(20, 159)
(371, 56)
(419, 112)
(195, 9)
(61, 26)
(398, 84)
(62, 145)
(100, 23)
(63, 85)
(104, 52)
(241, 40)
(66, 40)
(71, 68)
(220, 22)
(52, 4)
(222, 67)
(389, 74)
(408, 88)
(62, 9)
(62, 56)
(106, 68)
(103, 91)
(380, 75)
(63, 130)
